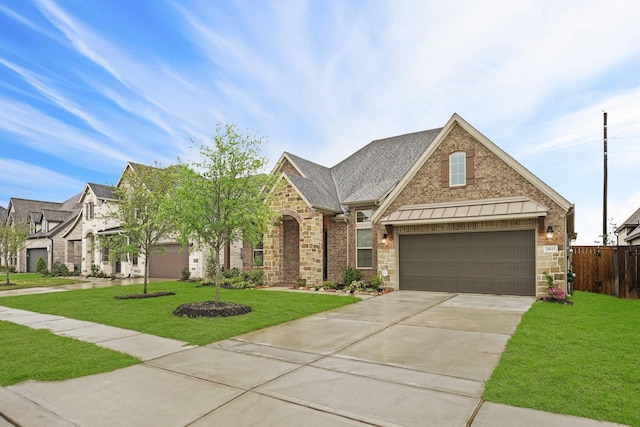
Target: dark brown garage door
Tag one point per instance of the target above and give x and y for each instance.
(500, 262)
(168, 263)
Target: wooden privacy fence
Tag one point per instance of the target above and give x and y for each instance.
(609, 270)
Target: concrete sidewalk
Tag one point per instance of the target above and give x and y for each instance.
(404, 358)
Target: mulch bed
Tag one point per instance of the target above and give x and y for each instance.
(211, 309)
(556, 300)
(140, 296)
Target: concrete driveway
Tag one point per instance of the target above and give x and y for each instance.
(404, 358)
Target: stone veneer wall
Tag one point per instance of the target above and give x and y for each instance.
(286, 201)
(493, 178)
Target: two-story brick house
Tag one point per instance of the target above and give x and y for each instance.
(47, 223)
(444, 210)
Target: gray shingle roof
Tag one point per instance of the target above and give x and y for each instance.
(55, 216)
(317, 185)
(3, 214)
(365, 176)
(35, 210)
(21, 208)
(102, 191)
(633, 220)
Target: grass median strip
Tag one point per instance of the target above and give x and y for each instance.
(579, 359)
(37, 354)
(32, 280)
(154, 315)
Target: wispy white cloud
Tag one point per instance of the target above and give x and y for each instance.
(17, 177)
(321, 79)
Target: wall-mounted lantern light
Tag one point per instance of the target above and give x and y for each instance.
(549, 232)
(384, 239)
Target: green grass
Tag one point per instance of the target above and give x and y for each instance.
(579, 360)
(32, 280)
(154, 315)
(36, 354)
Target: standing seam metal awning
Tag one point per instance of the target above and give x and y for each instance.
(466, 211)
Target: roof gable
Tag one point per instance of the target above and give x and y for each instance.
(632, 222)
(21, 209)
(366, 176)
(104, 192)
(481, 139)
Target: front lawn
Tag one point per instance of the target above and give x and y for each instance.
(154, 315)
(579, 359)
(37, 354)
(32, 280)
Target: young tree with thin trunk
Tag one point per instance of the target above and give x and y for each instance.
(221, 198)
(143, 213)
(13, 238)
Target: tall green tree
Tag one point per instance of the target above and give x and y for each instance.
(13, 238)
(221, 197)
(143, 212)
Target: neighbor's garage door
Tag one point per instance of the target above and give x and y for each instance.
(501, 262)
(168, 263)
(33, 255)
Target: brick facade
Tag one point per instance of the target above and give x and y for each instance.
(336, 247)
(488, 177)
(493, 178)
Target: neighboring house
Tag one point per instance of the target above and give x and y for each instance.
(96, 220)
(629, 232)
(3, 220)
(69, 232)
(441, 210)
(48, 222)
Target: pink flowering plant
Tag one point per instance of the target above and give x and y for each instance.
(555, 292)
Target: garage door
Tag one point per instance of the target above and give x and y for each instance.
(168, 263)
(485, 262)
(33, 255)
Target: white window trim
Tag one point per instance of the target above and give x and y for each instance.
(363, 226)
(464, 168)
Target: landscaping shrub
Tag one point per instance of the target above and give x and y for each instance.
(96, 272)
(41, 266)
(255, 276)
(185, 274)
(329, 285)
(376, 281)
(350, 275)
(11, 268)
(58, 269)
(231, 272)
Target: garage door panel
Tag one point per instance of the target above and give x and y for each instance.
(168, 263)
(33, 255)
(485, 262)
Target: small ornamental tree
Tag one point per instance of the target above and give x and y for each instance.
(222, 197)
(13, 238)
(143, 213)
(41, 266)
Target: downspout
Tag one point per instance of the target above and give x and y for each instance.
(51, 254)
(348, 241)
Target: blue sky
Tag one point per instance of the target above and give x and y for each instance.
(87, 86)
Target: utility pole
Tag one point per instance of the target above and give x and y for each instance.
(605, 235)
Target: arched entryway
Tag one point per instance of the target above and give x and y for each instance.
(291, 249)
